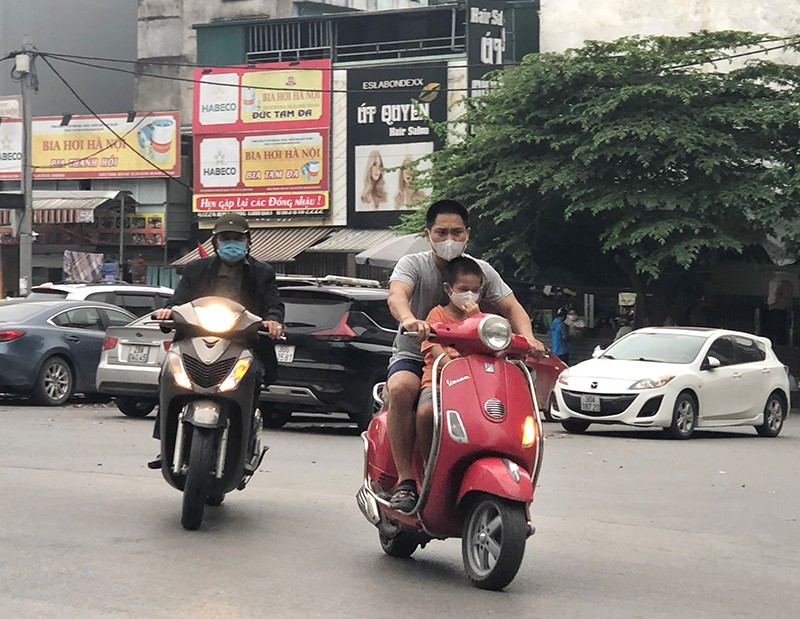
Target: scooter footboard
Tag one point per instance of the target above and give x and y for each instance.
(498, 476)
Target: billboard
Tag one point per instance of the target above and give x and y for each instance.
(87, 147)
(266, 97)
(388, 126)
(486, 41)
(263, 138)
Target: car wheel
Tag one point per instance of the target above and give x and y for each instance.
(774, 415)
(368, 411)
(684, 417)
(275, 417)
(546, 411)
(134, 407)
(575, 426)
(54, 384)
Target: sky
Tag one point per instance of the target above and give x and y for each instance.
(103, 28)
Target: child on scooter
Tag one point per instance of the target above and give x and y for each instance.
(462, 280)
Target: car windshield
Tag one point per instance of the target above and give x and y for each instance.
(656, 347)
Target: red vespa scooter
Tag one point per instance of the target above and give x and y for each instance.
(485, 458)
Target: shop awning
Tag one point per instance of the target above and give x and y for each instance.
(348, 241)
(67, 207)
(270, 244)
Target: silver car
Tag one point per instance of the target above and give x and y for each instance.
(130, 364)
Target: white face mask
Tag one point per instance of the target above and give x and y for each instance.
(460, 299)
(449, 249)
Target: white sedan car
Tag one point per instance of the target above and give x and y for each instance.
(678, 379)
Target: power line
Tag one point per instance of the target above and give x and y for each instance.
(257, 65)
(69, 59)
(264, 67)
(239, 86)
(105, 124)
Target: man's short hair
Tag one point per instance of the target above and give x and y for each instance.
(442, 207)
(461, 266)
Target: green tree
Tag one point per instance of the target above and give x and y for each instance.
(669, 149)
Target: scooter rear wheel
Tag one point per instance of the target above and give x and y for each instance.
(400, 546)
(198, 478)
(493, 541)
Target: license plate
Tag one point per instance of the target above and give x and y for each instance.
(284, 353)
(138, 354)
(590, 403)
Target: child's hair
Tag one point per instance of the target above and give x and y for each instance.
(461, 266)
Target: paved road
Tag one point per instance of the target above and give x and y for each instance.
(629, 525)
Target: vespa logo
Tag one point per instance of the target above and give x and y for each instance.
(489, 367)
(455, 381)
(594, 385)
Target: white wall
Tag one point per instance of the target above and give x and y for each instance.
(568, 23)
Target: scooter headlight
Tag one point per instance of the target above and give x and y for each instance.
(216, 318)
(235, 376)
(495, 333)
(179, 375)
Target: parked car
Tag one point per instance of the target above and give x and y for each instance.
(130, 365)
(132, 354)
(338, 344)
(678, 379)
(50, 349)
(139, 300)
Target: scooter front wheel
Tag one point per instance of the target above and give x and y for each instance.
(198, 478)
(493, 541)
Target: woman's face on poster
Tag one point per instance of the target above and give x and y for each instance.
(375, 170)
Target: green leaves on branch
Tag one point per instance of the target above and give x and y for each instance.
(675, 146)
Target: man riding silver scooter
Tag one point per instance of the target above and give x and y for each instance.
(233, 275)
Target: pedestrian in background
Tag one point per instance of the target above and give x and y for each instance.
(560, 337)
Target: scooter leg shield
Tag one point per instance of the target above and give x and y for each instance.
(205, 414)
(498, 476)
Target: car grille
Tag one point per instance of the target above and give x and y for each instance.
(609, 404)
(206, 376)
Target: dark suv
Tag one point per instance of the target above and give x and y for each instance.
(338, 344)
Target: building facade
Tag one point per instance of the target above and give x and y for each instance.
(368, 69)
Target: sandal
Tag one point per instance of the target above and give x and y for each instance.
(405, 497)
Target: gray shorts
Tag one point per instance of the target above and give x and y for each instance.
(425, 396)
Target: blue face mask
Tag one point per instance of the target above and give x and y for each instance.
(232, 251)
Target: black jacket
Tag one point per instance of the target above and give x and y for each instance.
(259, 294)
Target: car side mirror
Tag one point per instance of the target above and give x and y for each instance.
(710, 363)
(597, 351)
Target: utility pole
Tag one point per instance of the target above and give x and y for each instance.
(24, 67)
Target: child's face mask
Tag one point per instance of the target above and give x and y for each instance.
(460, 299)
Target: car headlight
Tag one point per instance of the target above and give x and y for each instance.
(495, 333)
(216, 318)
(179, 374)
(233, 379)
(652, 383)
(563, 378)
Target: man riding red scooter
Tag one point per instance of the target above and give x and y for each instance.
(481, 454)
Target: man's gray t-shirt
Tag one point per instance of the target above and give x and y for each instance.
(421, 273)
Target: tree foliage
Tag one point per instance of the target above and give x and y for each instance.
(670, 147)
